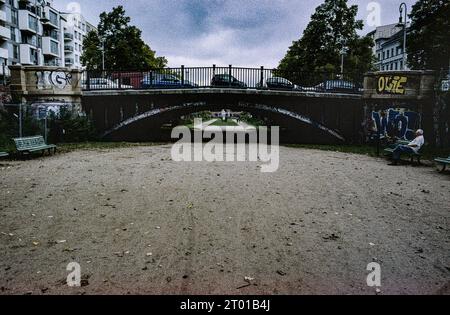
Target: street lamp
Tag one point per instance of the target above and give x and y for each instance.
(103, 54)
(404, 25)
(343, 52)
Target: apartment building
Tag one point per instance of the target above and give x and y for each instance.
(75, 30)
(388, 48)
(33, 32)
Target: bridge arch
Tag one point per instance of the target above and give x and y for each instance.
(304, 117)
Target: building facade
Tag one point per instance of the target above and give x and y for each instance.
(388, 47)
(75, 30)
(33, 32)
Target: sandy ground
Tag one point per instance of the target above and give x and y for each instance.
(139, 223)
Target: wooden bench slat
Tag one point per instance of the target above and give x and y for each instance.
(443, 161)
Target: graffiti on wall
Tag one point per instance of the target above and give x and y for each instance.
(392, 84)
(396, 122)
(50, 79)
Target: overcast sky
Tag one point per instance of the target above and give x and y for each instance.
(249, 33)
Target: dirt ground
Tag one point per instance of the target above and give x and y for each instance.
(138, 222)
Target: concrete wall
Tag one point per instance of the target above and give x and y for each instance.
(399, 102)
(45, 84)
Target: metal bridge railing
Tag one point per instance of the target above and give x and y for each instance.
(223, 77)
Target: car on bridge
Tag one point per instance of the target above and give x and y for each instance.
(342, 86)
(226, 80)
(103, 84)
(278, 83)
(165, 81)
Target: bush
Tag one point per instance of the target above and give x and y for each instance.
(70, 127)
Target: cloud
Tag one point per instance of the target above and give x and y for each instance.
(240, 32)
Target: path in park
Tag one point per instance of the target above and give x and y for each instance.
(137, 222)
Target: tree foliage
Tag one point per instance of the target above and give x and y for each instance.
(428, 43)
(124, 47)
(333, 26)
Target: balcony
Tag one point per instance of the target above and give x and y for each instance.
(4, 53)
(28, 22)
(69, 61)
(5, 33)
(50, 18)
(50, 47)
(28, 55)
(68, 37)
(3, 16)
(68, 48)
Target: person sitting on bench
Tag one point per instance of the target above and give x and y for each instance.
(412, 148)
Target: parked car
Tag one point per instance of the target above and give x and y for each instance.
(160, 80)
(225, 80)
(277, 83)
(337, 86)
(103, 83)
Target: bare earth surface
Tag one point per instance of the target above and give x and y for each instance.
(139, 223)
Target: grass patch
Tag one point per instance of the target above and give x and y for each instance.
(221, 123)
(356, 149)
(70, 147)
(427, 153)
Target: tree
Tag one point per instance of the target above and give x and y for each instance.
(332, 28)
(124, 47)
(428, 44)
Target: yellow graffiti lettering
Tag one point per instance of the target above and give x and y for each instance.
(400, 88)
(392, 84)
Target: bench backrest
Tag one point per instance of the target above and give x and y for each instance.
(29, 142)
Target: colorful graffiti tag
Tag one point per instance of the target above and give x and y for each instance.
(392, 84)
(398, 122)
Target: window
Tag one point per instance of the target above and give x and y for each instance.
(13, 33)
(32, 23)
(54, 47)
(384, 55)
(14, 17)
(392, 52)
(16, 51)
(395, 66)
(387, 54)
(379, 57)
(53, 17)
(34, 56)
(401, 64)
(392, 66)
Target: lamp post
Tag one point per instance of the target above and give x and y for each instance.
(404, 24)
(343, 51)
(103, 54)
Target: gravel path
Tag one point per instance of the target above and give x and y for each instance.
(138, 222)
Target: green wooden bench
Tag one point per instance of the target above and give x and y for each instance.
(413, 155)
(33, 144)
(3, 154)
(443, 162)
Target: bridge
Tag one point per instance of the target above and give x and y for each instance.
(312, 108)
(137, 115)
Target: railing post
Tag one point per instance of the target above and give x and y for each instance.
(261, 81)
(229, 75)
(182, 75)
(88, 80)
(214, 69)
(120, 80)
